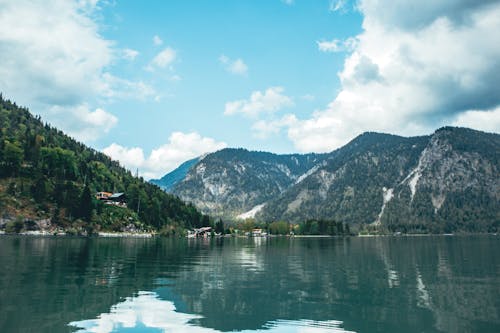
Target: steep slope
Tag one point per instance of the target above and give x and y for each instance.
(233, 181)
(349, 184)
(445, 182)
(47, 176)
(454, 186)
(168, 181)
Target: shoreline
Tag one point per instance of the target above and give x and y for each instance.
(104, 234)
(110, 234)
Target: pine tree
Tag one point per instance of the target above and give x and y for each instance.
(85, 211)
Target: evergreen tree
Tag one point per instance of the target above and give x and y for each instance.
(85, 209)
(219, 227)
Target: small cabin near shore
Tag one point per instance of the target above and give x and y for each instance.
(116, 199)
(103, 195)
(202, 232)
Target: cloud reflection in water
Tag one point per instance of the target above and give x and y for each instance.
(147, 312)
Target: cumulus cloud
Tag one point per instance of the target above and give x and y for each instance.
(259, 102)
(412, 71)
(488, 121)
(163, 59)
(50, 52)
(179, 148)
(237, 66)
(52, 57)
(129, 54)
(82, 123)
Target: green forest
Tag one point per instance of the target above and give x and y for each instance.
(47, 175)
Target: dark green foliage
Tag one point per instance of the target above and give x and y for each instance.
(279, 228)
(219, 227)
(324, 227)
(44, 165)
(12, 156)
(15, 226)
(446, 182)
(85, 208)
(357, 173)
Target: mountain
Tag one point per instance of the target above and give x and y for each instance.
(233, 181)
(445, 182)
(168, 181)
(48, 180)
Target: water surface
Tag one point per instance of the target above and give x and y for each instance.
(384, 284)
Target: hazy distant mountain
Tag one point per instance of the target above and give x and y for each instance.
(443, 182)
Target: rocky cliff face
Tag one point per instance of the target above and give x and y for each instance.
(454, 186)
(353, 182)
(233, 181)
(441, 183)
(444, 182)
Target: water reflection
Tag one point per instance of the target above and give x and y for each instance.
(389, 284)
(147, 312)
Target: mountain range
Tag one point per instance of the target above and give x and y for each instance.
(444, 182)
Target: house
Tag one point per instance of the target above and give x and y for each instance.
(117, 199)
(257, 232)
(103, 195)
(203, 232)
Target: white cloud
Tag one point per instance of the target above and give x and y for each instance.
(337, 5)
(259, 102)
(488, 121)
(336, 45)
(52, 57)
(410, 72)
(330, 46)
(157, 40)
(50, 52)
(179, 148)
(263, 129)
(164, 59)
(237, 66)
(82, 123)
(130, 54)
(131, 158)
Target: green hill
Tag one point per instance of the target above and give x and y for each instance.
(48, 180)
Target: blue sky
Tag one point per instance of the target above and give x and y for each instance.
(274, 41)
(155, 83)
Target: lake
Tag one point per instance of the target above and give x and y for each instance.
(306, 285)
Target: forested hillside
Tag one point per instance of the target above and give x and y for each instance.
(47, 178)
(446, 182)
